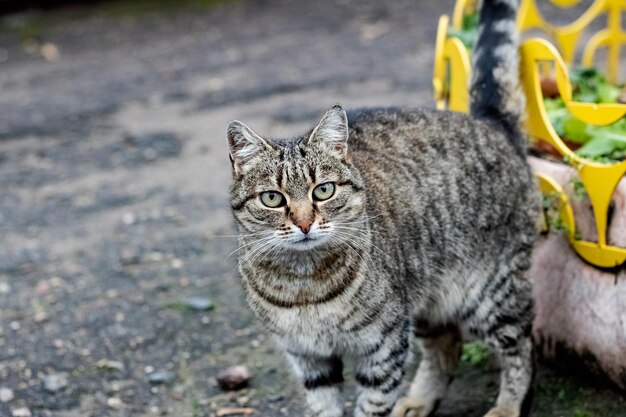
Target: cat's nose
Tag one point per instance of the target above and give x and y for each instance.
(304, 225)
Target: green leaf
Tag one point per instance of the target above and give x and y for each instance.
(608, 143)
(469, 32)
(471, 21)
(554, 103)
(475, 353)
(557, 113)
(468, 37)
(608, 93)
(590, 86)
(575, 130)
(601, 146)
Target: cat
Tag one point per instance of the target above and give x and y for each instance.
(380, 223)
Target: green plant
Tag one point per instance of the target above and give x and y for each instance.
(580, 192)
(580, 413)
(551, 204)
(475, 353)
(469, 31)
(598, 143)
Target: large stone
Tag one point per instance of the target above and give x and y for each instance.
(579, 306)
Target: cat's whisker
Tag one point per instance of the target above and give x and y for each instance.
(246, 245)
(346, 245)
(246, 235)
(263, 254)
(255, 249)
(350, 242)
(269, 251)
(362, 242)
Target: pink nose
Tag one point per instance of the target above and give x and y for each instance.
(304, 225)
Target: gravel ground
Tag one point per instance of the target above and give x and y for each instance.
(118, 291)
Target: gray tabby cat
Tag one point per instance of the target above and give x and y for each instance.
(384, 222)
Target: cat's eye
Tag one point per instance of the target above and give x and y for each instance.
(272, 199)
(324, 191)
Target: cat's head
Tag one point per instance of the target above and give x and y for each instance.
(298, 194)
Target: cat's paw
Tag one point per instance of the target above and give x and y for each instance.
(412, 407)
(503, 411)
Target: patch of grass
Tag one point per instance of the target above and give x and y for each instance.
(178, 306)
(580, 193)
(580, 413)
(552, 211)
(574, 395)
(476, 354)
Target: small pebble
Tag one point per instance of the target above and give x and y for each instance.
(49, 52)
(40, 317)
(150, 154)
(275, 398)
(21, 412)
(129, 219)
(161, 377)
(55, 382)
(234, 378)
(178, 393)
(130, 257)
(6, 395)
(199, 303)
(114, 402)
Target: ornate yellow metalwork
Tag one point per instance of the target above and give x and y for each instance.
(600, 180)
(566, 37)
(453, 61)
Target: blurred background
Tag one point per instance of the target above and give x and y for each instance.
(118, 290)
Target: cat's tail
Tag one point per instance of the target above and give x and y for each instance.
(495, 90)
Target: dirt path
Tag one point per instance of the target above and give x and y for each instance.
(113, 212)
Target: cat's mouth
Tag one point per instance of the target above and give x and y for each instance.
(305, 242)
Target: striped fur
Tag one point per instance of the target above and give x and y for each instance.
(495, 91)
(429, 232)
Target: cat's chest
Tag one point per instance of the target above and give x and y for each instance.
(317, 330)
(314, 320)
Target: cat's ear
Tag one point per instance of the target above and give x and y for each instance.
(243, 143)
(332, 130)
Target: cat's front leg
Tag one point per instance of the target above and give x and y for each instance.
(322, 377)
(380, 372)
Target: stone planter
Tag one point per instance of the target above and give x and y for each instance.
(579, 306)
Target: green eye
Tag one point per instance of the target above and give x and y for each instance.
(324, 191)
(272, 199)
